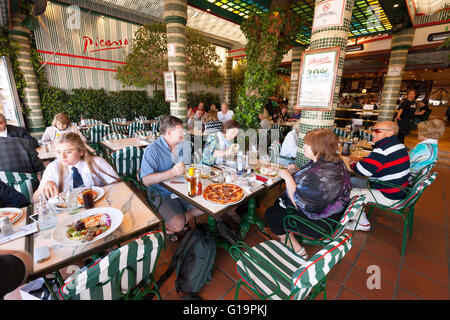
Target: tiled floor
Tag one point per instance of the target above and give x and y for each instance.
(423, 273)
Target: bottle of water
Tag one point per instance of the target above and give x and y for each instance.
(240, 162)
(47, 218)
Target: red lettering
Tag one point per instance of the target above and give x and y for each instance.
(87, 41)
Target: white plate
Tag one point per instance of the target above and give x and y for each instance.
(20, 212)
(59, 233)
(100, 194)
(53, 201)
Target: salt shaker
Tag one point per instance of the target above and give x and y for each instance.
(6, 226)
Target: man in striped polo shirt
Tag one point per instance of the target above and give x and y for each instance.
(388, 162)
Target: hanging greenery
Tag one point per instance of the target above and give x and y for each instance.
(270, 35)
(148, 59)
(237, 80)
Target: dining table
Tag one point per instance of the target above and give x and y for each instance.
(47, 151)
(138, 219)
(117, 144)
(253, 184)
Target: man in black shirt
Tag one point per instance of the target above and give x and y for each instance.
(423, 113)
(15, 267)
(405, 115)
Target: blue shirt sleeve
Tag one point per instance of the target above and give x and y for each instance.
(148, 164)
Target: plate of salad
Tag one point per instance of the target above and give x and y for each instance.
(87, 226)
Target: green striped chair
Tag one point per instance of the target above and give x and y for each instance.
(405, 207)
(134, 127)
(125, 273)
(341, 132)
(365, 135)
(97, 132)
(142, 133)
(141, 118)
(25, 183)
(117, 128)
(127, 162)
(273, 271)
(89, 122)
(291, 222)
(114, 136)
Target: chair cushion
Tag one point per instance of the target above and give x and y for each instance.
(273, 280)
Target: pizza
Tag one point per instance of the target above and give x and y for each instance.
(223, 193)
(11, 215)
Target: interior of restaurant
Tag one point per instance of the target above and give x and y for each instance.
(71, 57)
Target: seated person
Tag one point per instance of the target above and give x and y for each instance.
(61, 124)
(423, 112)
(265, 120)
(19, 155)
(212, 123)
(289, 146)
(200, 106)
(10, 131)
(11, 198)
(282, 116)
(198, 116)
(297, 114)
(320, 189)
(163, 160)
(15, 266)
(357, 103)
(389, 162)
(426, 152)
(213, 108)
(224, 115)
(218, 145)
(75, 166)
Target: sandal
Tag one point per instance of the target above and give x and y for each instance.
(172, 237)
(302, 253)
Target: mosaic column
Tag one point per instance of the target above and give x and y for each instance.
(322, 38)
(227, 79)
(401, 42)
(175, 16)
(32, 102)
(295, 76)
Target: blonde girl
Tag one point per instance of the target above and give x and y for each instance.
(60, 125)
(74, 167)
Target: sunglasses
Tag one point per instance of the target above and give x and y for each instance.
(377, 131)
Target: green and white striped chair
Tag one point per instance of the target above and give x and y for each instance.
(365, 135)
(142, 133)
(134, 127)
(114, 136)
(25, 183)
(273, 271)
(117, 128)
(291, 222)
(88, 122)
(405, 207)
(97, 132)
(127, 161)
(122, 274)
(141, 118)
(341, 132)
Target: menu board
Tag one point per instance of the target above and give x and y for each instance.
(169, 86)
(9, 100)
(317, 79)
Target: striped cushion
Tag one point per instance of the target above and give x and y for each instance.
(114, 136)
(268, 268)
(104, 281)
(135, 126)
(88, 122)
(117, 128)
(318, 266)
(142, 118)
(97, 132)
(127, 160)
(142, 133)
(25, 183)
(341, 132)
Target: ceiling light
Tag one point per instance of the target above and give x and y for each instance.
(209, 10)
(396, 5)
(440, 36)
(356, 47)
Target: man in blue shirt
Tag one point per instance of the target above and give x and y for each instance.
(164, 159)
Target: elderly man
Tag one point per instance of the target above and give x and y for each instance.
(163, 160)
(224, 115)
(10, 131)
(388, 162)
(297, 114)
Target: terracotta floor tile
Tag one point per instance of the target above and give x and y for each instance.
(351, 256)
(433, 270)
(347, 294)
(434, 251)
(386, 234)
(422, 287)
(388, 270)
(383, 249)
(227, 265)
(332, 290)
(243, 294)
(403, 295)
(358, 282)
(218, 287)
(340, 271)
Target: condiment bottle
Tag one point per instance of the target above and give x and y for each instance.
(199, 182)
(192, 185)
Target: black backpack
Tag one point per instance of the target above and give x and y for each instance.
(192, 262)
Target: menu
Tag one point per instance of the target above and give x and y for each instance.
(9, 100)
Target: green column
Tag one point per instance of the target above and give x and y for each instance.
(32, 102)
(321, 38)
(401, 42)
(175, 16)
(295, 76)
(227, 79)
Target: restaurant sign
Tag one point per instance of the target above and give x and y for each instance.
(317, 79)
(329, 13)
(169, 86)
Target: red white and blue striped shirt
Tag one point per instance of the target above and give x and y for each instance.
(388, 162)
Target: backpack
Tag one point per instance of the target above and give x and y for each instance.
(192, 262)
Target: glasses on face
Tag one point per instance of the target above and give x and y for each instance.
(378, 131)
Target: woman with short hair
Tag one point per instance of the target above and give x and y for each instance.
(318, 190)
(426, 151)
(60, 125)
(218, 145)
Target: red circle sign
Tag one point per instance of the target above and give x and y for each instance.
(326, 7)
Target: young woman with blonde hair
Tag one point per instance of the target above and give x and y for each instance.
(60, 125)
(75, 166)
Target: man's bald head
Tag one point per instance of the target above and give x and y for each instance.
(384, 129)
